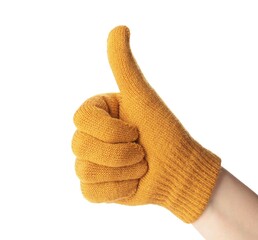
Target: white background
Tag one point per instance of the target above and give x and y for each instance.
(200, 56)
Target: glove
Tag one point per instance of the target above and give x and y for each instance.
(131, 149)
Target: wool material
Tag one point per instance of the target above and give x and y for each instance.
(131, 149)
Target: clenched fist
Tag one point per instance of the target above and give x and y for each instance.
(131, 149)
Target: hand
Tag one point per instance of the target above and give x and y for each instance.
(132, 150)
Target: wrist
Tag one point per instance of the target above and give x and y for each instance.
(188, 179)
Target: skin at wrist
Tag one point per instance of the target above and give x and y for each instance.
(232, 212)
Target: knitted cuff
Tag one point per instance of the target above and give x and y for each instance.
(187, 180)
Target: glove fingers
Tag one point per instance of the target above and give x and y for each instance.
(127, 73)
(108, 191)
(107, 154)
(93, 173)
(99, 117)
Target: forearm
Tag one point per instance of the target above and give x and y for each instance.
(232, 212)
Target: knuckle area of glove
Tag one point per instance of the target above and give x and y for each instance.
(100, 124)
(93, 173)
(109, 191)
(107, 154)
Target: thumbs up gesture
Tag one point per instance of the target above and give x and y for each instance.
(131, 149)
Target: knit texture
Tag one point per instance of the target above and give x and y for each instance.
(132, 150)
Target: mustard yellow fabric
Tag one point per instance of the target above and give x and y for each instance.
(131, 149)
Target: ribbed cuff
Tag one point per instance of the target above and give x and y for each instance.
(185, 185)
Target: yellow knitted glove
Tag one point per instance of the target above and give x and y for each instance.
(132, 150)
